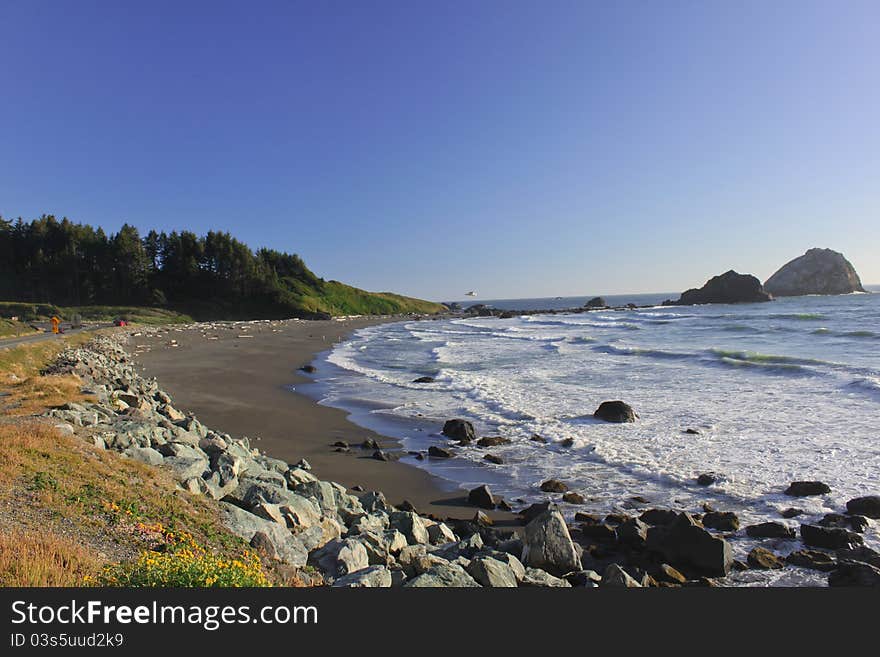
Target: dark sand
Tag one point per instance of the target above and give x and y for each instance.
(240, 385)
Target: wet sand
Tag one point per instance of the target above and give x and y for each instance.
(241, 386)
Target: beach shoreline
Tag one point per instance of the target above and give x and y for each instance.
(245, 386)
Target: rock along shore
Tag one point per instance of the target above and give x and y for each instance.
(357, 539)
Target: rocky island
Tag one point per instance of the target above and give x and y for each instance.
(818, 271)
(729, 287)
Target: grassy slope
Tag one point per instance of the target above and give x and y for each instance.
(11, 328)
(67, 509)
(30, 312)
(333, 298)
(340, 299)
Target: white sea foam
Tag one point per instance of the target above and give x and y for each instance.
(769, 409)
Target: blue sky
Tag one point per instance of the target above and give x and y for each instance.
(516, 148)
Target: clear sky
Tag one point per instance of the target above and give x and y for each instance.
(516, 148)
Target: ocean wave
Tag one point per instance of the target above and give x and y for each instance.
(767, 367)
(739, 328)
(771, 359)
(802, 317)
(861, 334)
(868, 385)
(638, 351)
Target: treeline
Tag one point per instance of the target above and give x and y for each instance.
(210, 276)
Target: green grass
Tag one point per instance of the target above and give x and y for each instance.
(298, 299)
(10, 328)
(340, 299)
(33, 312)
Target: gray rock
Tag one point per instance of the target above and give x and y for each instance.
(460, 430)
(548, 545)
(770, 530)
(491, 572)
(615, 576)
(807, 488)
(440, 533)
(537, 577)
(868, 506)
(244, 525)
(146, 455)
(443, 576)
(726, 521)
(818, 271)
(341, 557)
(185, 467)
(684, 542)
(374, 501)
(370, 577)
(615, 411)
(831, 538)
(855, 573)
(411, 526)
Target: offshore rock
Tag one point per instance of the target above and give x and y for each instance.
(818, 271)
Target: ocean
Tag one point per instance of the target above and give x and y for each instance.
(781, 391)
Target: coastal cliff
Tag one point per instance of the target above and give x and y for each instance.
(818, 271)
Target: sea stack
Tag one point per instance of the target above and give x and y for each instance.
(729, 287)
(818, 271)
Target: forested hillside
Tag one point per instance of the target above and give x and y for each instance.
(208, 277)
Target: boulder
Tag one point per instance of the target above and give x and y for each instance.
(633, 533)
(859, 553)
(482, 497)
(541, 578)
(729, 287)
(868, 506)
(440, 452)
(658, 516)
(769, 530)
(684, 543)
(443, 575)
(186, 467)
(494, 458)
(245, 525)
(763, 559)
(553, 486)
(341, 557)
(460, 430)
(807, 488)
(726, 521)
(370, 577)
(573, 498)
(424, 379)
(830, 538)
(615, 411)
(439, 533)
(707, 479)
(812, 559)
(615, 576)
(493, 441)
(146, 455)
(491, 572)
(854, 573)
(548, 545)
(818, 271)
(596, 302)
(411, 526)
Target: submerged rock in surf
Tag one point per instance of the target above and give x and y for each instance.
(615, 411)
(460, 430)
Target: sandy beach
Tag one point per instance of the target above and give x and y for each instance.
(241, 386)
